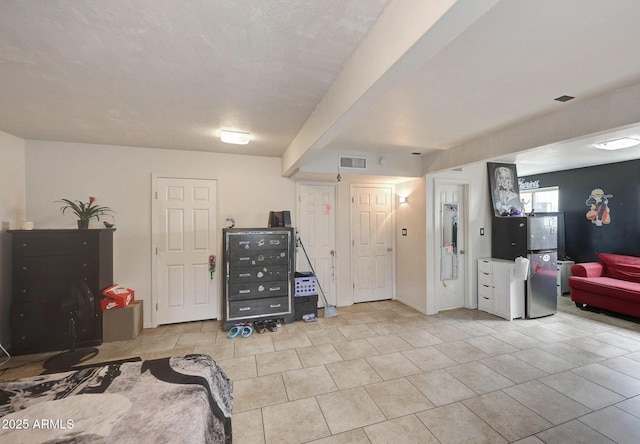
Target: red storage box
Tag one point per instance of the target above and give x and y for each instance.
(116, 296)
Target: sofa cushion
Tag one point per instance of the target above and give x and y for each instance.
(621, 267)
(606, 286)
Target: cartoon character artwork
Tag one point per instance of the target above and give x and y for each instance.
(599, 212)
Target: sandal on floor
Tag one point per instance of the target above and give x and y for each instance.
(247, 331)
(235, 331)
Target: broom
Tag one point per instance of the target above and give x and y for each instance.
(329, 310)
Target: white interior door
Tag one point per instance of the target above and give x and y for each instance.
(451, 259)
(372, 243)
(186, 236)
(317, 231)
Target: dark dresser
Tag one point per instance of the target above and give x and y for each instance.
(258, 269)
(45, 264)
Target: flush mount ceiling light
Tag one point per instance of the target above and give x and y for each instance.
(234, 137)
(617, 144)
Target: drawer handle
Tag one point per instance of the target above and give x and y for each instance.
(485, 298)
(245, 258)
(274, 242)
(244, 275)
(244, 309)
(244, 291)
(275, 305)
(274, 288)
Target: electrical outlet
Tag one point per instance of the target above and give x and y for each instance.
(404, 231)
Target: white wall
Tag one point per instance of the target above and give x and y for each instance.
(121, 178)
(12, 211)
(479, 213)
(326, 161)
(411, 287)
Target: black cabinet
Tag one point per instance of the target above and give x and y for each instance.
(45, 265)
(258, 266)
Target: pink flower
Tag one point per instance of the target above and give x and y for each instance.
(91, 200)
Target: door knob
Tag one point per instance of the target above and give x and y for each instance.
(389, 249)
(461, 251)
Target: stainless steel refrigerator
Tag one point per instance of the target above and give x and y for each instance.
(535, 238)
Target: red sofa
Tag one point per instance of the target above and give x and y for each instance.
(612, 284)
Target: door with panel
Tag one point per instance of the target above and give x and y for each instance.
(316, 224)
(372, 243)
(186, 235)
(450, 239)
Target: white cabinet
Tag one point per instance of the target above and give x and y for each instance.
(498, 292)
(564, 271)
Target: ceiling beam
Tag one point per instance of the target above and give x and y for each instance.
(408, 34)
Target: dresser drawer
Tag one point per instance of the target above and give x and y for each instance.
(484, 266)
(36, 325)
(485, 279)
(258, 307)
(255, 290)
(245, 258)
(44, 244)
(258, 241)
(39, 267)
(485, 291)
(258, 274)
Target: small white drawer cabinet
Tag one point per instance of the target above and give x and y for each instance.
(498, 292)
(564, 271)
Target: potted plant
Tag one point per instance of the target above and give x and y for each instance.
(85, 210)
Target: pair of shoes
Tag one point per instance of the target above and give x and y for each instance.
(243, 329)
(260, 326)
(272, 325)
(311, 317)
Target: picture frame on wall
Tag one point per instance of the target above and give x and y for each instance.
(503, 187)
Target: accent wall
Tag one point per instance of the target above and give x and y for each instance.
(601, 206)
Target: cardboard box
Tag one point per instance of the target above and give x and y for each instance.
(124, 323)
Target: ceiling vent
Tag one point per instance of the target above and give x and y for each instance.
(353, 162)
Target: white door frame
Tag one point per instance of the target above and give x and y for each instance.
(433, 275)
(392, 188)
(154, 238)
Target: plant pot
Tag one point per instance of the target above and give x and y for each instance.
(83, 224)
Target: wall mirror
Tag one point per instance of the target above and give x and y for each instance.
(449, 247)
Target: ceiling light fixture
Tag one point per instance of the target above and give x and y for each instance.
(617, 144)
(234, 137)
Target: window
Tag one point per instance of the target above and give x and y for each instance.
(541, 200)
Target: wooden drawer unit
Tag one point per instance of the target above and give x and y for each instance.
(258, 267)
(45, 265)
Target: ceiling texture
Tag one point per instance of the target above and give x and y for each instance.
(392, 77)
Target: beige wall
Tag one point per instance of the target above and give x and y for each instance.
(121, 178)
(12, 211)
(411, 249)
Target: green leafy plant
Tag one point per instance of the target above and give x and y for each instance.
(85, 210)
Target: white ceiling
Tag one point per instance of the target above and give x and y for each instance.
(379, 75)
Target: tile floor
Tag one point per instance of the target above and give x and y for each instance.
(382, 372)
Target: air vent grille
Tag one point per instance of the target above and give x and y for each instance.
(353, 162)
